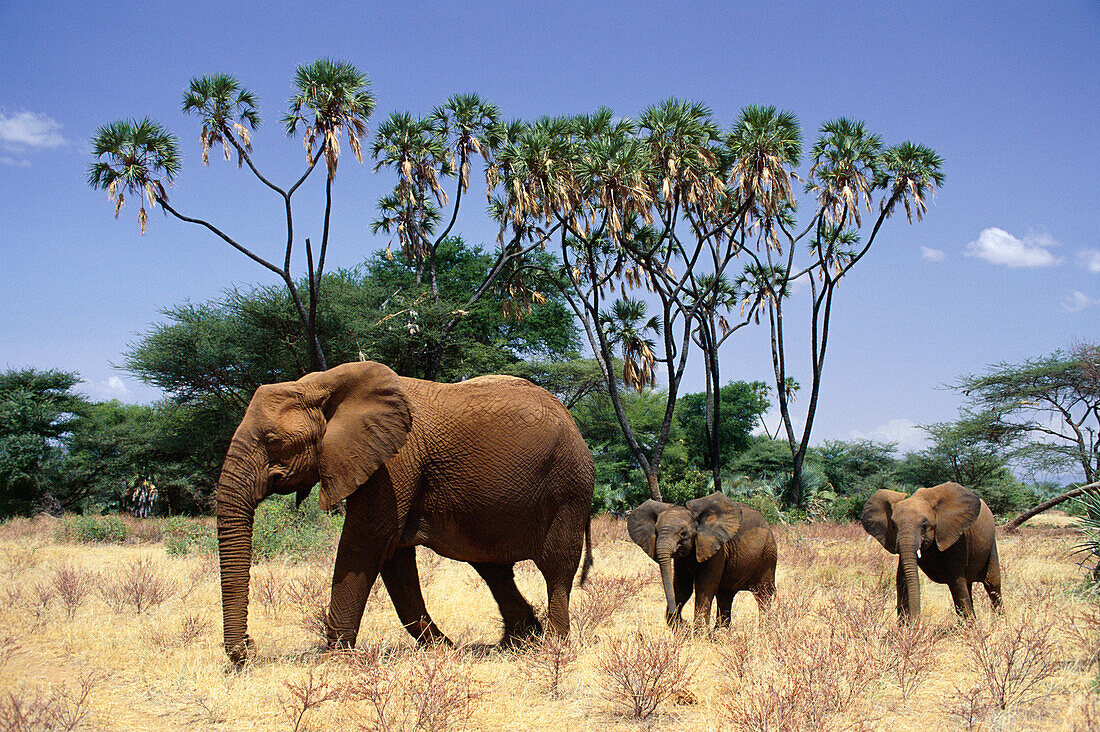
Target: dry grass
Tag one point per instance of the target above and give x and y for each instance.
(129, 638)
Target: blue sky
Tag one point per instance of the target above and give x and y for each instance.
(1005, 266)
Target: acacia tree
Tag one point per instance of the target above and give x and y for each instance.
(849, 165)
(1046, 410)
(142, 159)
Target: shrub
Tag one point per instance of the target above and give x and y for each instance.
(72, 586)
(1013, 661)
(139, 584)
(181, 534)
(693, 484)
(641, 672)
(280, 529)
(601, 597)
(301, 696)
(426, 690)
(110, 529)
(47, 708)
(1008, 497)
(546, 660)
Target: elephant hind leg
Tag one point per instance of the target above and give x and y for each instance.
(763, 589)
(992, 581)
(403, 583)
(518, 616)
(558, 586)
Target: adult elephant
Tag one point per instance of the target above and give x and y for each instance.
(490, 471)
(947, 531)
(712, 546)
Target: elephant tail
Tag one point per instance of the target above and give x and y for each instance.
(587, 565)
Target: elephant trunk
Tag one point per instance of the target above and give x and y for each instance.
(907, 555)
(664, 561)
(236, 507)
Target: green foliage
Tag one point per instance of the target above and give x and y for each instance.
(958, 453)
(1008, 496)
(182, 534)
(848, 464)
(210, 357)
(1087, 507)
(1011, 405)
(764, 458)
(616, 468)
(761, 495)
(94, 529)
(740, 406)
(38, 411)
(282, 530)
(694, 483)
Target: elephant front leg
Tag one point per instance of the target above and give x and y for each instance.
(707, 578)
(364, 542)
(960, 594)
(403, 583)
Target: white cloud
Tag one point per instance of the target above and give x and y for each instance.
(29, 131)
(1077, 301)
(932, 255)
(997, 246)
(112, 388)
(1091, 259)
(15, 162)
(908, 436)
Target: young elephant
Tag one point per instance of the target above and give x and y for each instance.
(948, 532)
(710, 546)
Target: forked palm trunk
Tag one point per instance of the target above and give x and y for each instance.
(236, 509)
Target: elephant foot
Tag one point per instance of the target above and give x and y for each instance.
(337, 640)
(427, 633)
(240, 653)
(518, 633)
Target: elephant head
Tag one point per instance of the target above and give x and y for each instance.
(337, 427)
(697, 531)
(907, 525)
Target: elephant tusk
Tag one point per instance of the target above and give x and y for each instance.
(918, 553)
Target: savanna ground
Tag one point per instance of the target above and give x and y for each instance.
(128, 637)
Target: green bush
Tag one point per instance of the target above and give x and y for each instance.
(92, 529)
(1008, 497)
(766, 503)
(181, 534)
(693, 484)
(280, 529)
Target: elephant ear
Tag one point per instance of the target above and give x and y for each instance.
(717, 519)
(956, 509)
(877, 518)
(367, 418)
(641, 524)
